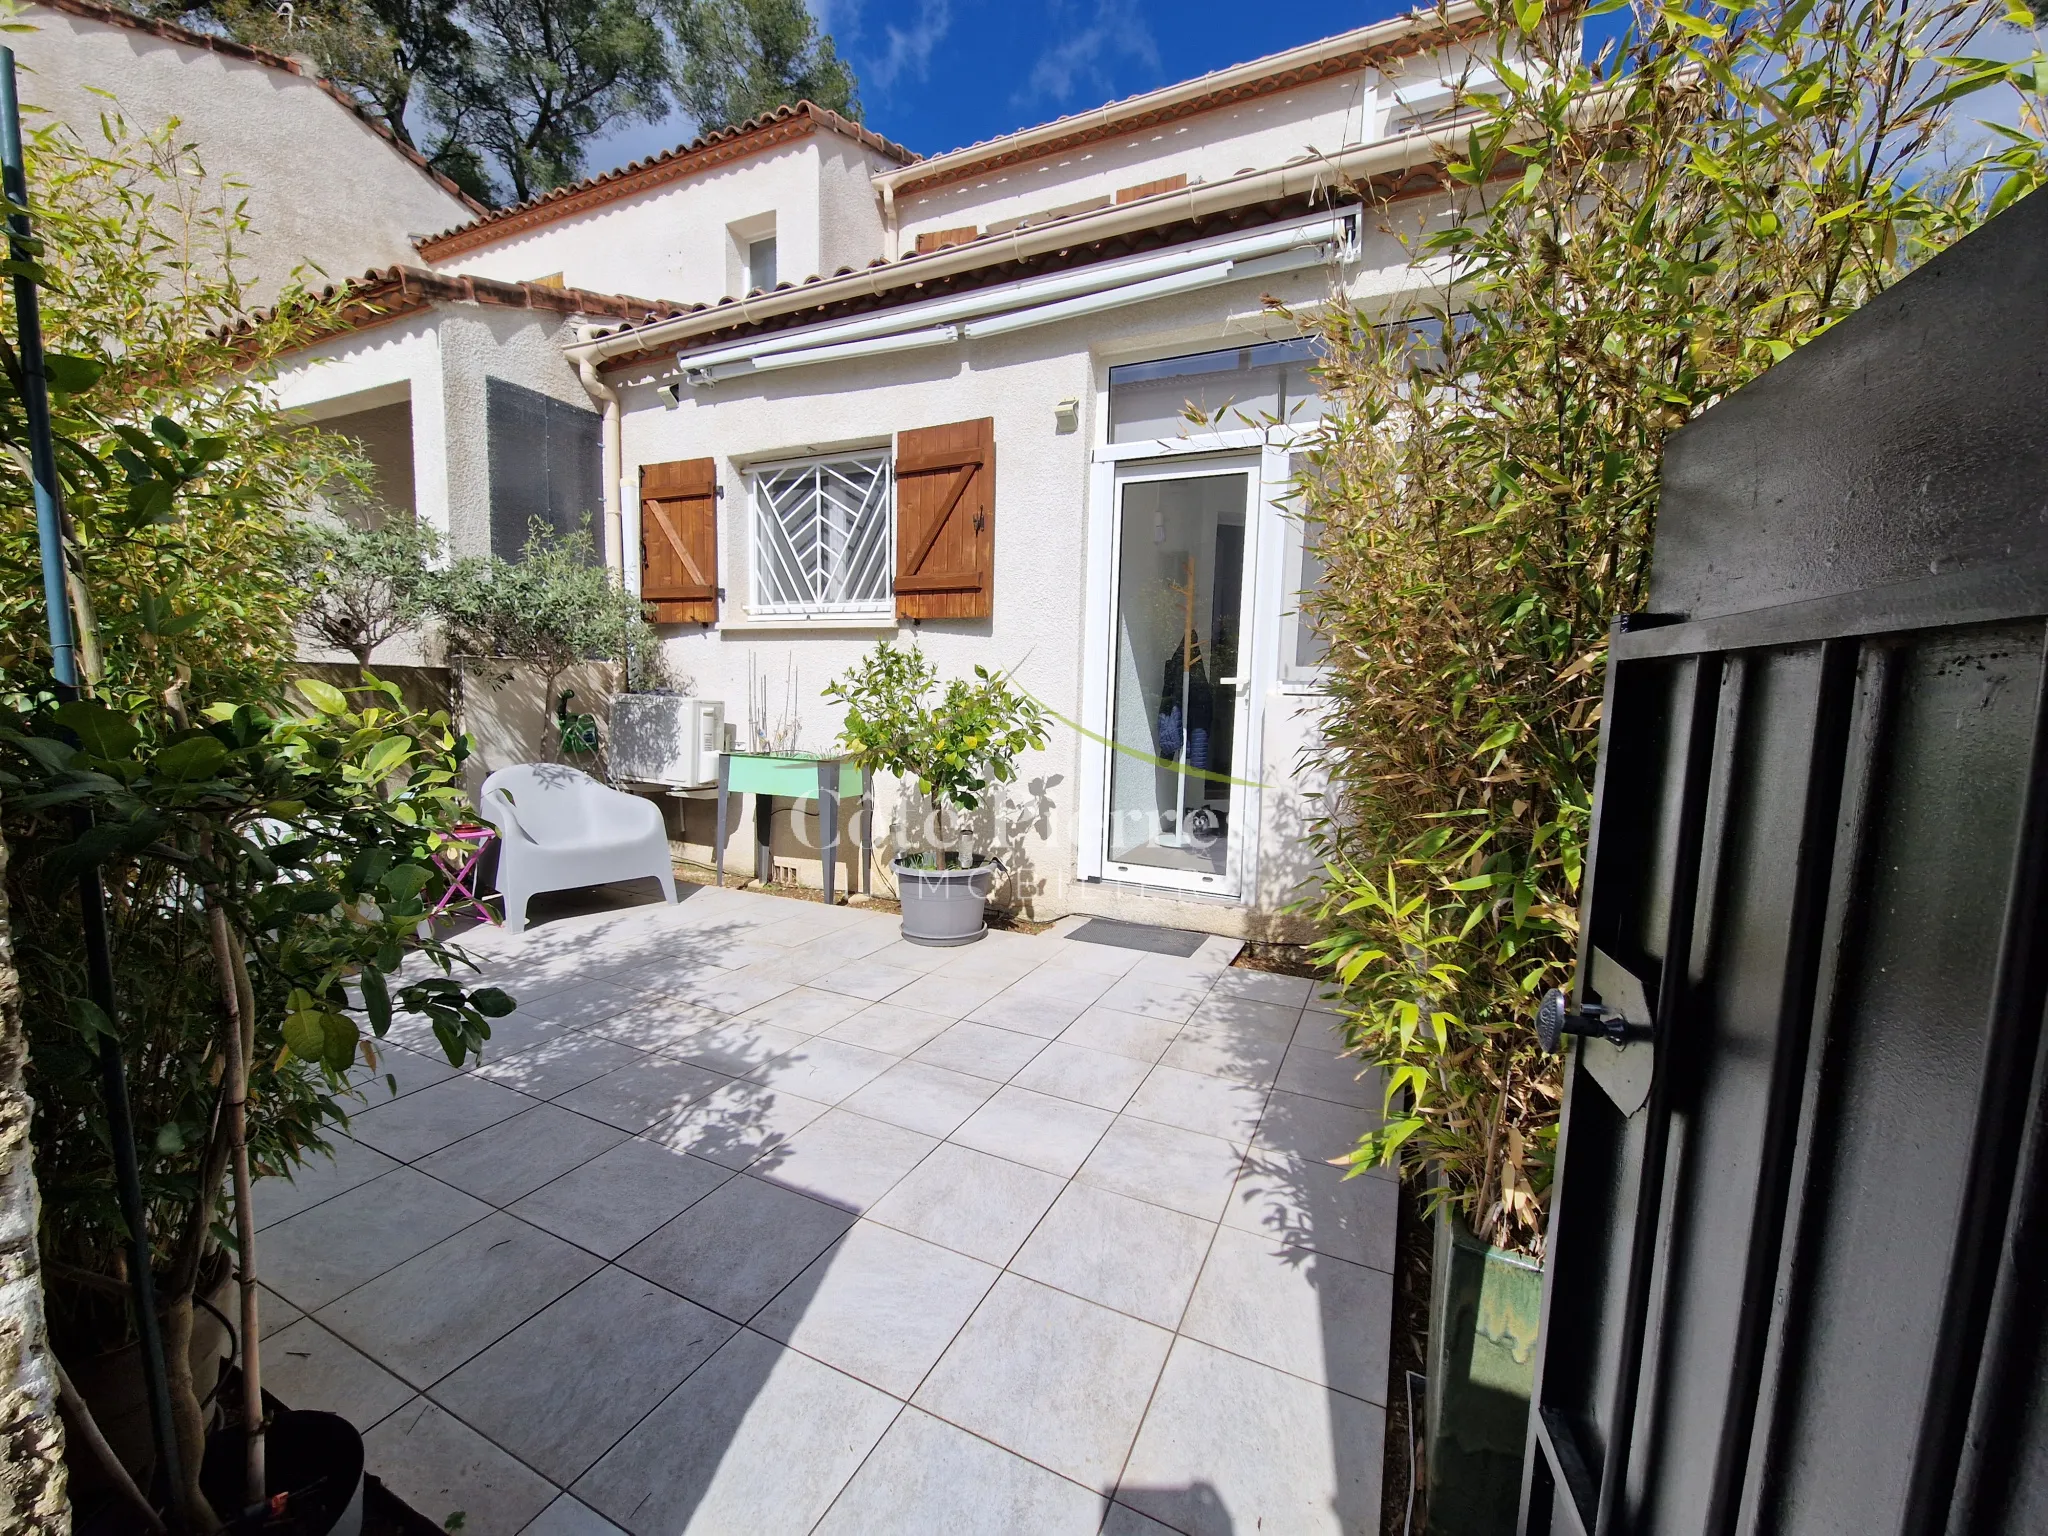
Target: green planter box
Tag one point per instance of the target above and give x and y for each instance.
(792, 777)
(1485, 1305)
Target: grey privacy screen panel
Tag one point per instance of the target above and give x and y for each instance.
(546, 462)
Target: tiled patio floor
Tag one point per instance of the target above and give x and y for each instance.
(758, 1219)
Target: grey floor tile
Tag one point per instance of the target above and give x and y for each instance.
(738, 1124)
(737, 991)
(1265, 986)
(1181, 1170)
(1313, 1467)
(948, 992)
(868, 978)
(1323, 1075)
(570, 1516)
(928, 1478)
(1239, 1058)
(1087, 1077)
(738, 1048)
(739, 1245)
(1247, 1018)
(1320, 1031)
(1310, 1205)
(398, 1072)
(1058, 1380)
(879, 1304)
(1035, 1129)
(888, 1027)
(437, 1309)
(277, 1313)
(824, 1070)
(1123, 1520)
(902, 955)
(643, 1091)
(844, 1159)
(1179, 970)
(806, 1010)
(305, 1366)
(1064, 983)
(1148, 999)
(921, 1097)
(560, 1390)
(521, 1032)
(760, 1439)
(1097, 959)
(1305, 1313)
(315, 1256)
(1121, 1034)
(441, 1467)
(1031, 1013)
(611, 1202)
(661, 1023)
(580, 1007)
(970, 1202)
(410, 1127)
(1108, 1248)
(319, 1177)
(555, 1066)
(997, 1054)
(517, 1156)
(1196, 1101)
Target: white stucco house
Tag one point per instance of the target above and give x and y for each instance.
(1033, 404)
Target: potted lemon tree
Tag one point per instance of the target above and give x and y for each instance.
(954, 745)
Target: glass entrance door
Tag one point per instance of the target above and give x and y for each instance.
(1179, 715)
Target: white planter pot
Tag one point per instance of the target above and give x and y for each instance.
(944, 907)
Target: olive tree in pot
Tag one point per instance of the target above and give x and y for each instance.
(954, 745)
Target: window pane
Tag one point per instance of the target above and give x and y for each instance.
(823, 537)
(761, 264)
(1238, 387)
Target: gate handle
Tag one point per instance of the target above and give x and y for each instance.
(1555, 1019)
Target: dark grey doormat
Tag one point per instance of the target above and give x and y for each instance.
(1155, 941)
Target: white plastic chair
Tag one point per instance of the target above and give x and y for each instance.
(558, 828)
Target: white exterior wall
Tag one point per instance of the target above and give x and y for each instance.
(323, 187)
(1044, 484)
(674, 242)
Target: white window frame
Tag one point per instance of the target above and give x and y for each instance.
(880, 609)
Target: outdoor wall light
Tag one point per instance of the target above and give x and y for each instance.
(1066, 417)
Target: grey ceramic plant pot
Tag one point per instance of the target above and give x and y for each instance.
(944, 907)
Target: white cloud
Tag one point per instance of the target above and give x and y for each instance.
(909, 52)
(1083, 62)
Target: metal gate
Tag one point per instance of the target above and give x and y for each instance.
(1798, 1257)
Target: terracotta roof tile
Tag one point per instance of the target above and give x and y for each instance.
(171, 32)
(383, 294)
(783, 125)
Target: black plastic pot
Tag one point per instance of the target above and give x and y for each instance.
(943, 907)
(314, 1459)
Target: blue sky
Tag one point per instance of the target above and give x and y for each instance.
(937, 74)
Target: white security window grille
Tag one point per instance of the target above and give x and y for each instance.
(824, 537)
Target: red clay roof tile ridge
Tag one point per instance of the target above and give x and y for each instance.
(389, 293)
(638, 175)
(171, 32)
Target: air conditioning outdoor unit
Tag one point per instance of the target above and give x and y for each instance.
(663, 738)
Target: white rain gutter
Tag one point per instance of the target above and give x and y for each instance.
(997, 311)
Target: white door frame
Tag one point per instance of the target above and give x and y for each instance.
(1112, 470)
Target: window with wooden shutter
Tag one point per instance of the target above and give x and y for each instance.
(946, 521)
(679, 541)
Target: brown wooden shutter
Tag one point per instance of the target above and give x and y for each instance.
(679, 541)
(946, 521)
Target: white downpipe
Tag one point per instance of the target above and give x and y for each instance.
(614, 464)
